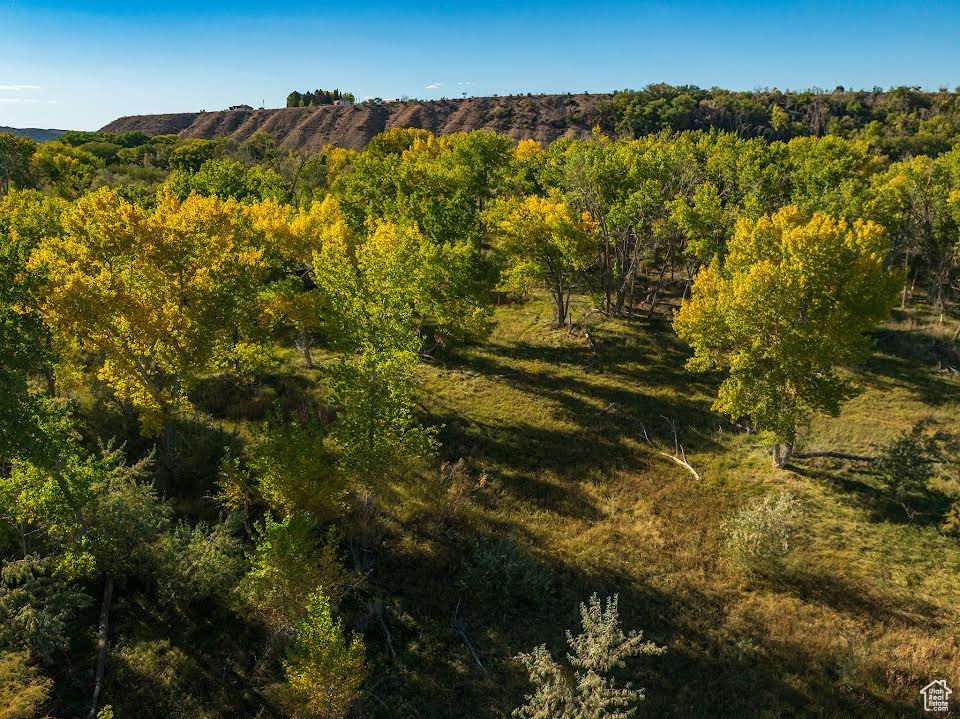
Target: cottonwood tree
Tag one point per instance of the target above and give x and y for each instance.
(919, 201)
(627, 187)
(64, 170)
(291, 236)
(288, 467)
(378, 294)
(293, 587)
(15, 168)
(542, 239)
(226, 179)
(163, 297)
(25, 217)
(324, 666)
(783, 312)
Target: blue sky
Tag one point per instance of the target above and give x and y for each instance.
(78, 65)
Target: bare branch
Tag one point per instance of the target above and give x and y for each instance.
(683, 463)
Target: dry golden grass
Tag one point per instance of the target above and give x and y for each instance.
(563, 485)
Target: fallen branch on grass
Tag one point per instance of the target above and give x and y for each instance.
(376, 609)
(834, 455)
(679, 456)
(682, 461)
(460, 629)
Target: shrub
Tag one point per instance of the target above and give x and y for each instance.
(907, 464)
(22, 688)
(37, 607)
(951, 522)
(500, 570)
(761, 535)
(585, 690)
(324, 668)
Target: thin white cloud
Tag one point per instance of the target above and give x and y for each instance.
(8, 100)
(18, 88)
(434, 86)
(466, 83)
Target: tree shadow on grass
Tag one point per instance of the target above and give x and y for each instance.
(911, 360)
(703, 674)
(859, 601)
(613, 404)
(519, 456)
(926, 509)
(162, 665)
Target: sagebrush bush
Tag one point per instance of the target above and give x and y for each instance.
(586, 690)
(761, 535)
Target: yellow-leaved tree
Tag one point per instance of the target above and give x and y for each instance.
(291, 236)
(162, 297)
(542, 239)
(787, 308)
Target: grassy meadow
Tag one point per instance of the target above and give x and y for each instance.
(560, 494)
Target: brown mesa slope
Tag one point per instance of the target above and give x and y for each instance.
(544, 118)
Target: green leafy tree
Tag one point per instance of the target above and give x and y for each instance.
(382, 290)
(917, 201)
(15, 167)
(288, 468)
(226, 179)
(542, 239)
(789, 305)
(289, 562)
(190, 155)
(705, 222)
(25, 218)
(64, 170)
(324, 667)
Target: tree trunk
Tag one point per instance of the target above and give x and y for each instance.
(561, 307)
(305, 344)
(906, 281)
(102, 644)
(781, 453)
(656, 292)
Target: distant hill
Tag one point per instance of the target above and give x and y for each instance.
(900, 121)
(33, 133)
(542, 117)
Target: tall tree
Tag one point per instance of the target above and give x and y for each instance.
(542, 239)
(164, 297)
(783, 312)
(15, 168)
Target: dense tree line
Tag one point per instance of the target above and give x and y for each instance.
(897, 122)
(137, 272)
(316, 97)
